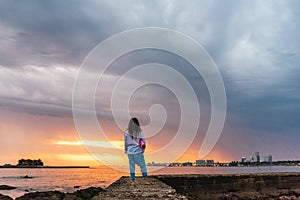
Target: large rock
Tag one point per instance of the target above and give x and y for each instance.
(7, 187)
(71, 197)
(4, 197)
(51, 195)
(88, 193)
(85, 194)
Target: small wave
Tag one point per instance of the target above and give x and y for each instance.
(9, 177)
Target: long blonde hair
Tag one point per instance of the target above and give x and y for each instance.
(134, 128)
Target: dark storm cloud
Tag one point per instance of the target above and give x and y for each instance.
(46, 32)
(273, 106)
(254, 44)
(64, 32)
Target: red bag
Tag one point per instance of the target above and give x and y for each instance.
(142, 144)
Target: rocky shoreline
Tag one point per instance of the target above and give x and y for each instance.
(276, 186)
(85, 194)
(120, 189)
(238, 186)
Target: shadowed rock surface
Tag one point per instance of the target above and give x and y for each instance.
(4, 197)
(85, 194)
(88, 193)
(237, 186)
(50, 195)
(7, 187)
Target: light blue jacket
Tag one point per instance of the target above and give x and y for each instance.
(132, 145)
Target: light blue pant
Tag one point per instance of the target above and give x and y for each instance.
(140, 161)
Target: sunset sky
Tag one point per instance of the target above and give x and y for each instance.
(254, 44)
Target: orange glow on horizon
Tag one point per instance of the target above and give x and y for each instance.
(103, 144)
(60, 145)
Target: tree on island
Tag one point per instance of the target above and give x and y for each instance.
(30, 163)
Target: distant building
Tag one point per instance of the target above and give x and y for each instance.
(210, 162)
(243, 160)
(187, 164)
(175, 165)
(251, 159)
(268, 158)
(200, 162)
(257, 157)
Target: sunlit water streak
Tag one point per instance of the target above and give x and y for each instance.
(65, 179)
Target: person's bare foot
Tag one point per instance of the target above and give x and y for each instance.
(146, 181)
(132, 182)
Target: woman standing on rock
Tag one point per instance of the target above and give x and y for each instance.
(135, 144)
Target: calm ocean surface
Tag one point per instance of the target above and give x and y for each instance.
(65, 179)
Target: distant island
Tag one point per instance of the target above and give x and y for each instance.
(29, 163)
